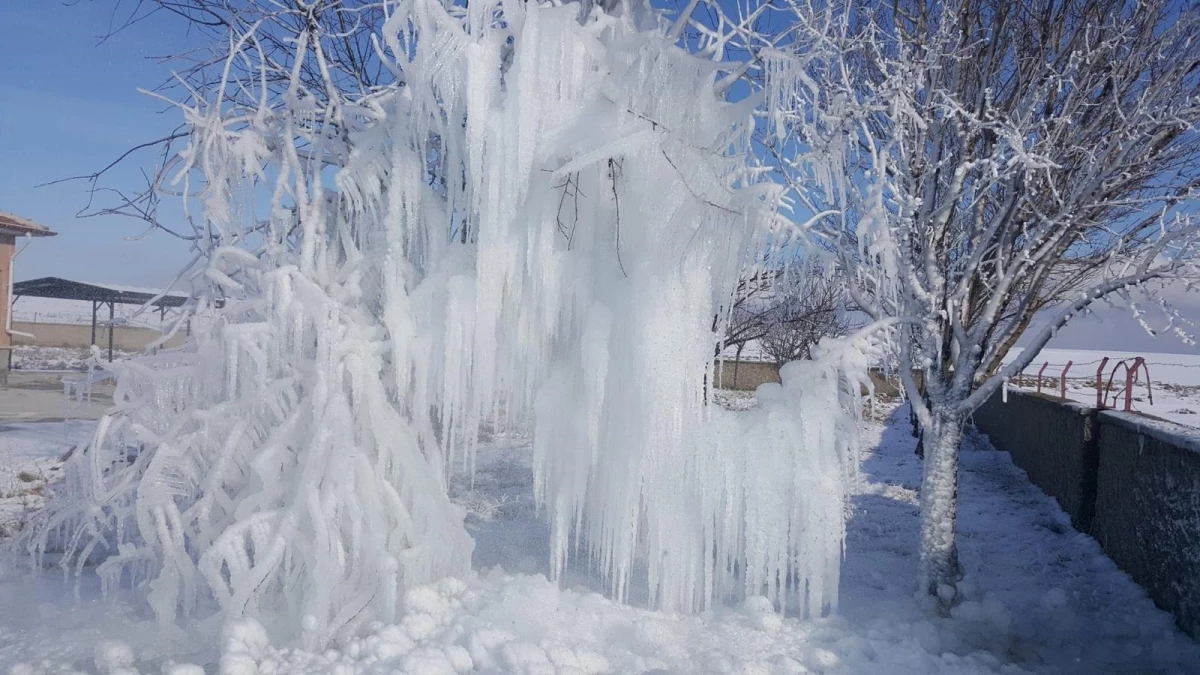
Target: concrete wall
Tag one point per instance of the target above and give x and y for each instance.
(1054, 441)
(1131, 481)
(745, 375)
(127, 338)
(750, 374)
(1148, 509)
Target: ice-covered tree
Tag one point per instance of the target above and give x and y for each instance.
(981, 166)
(527, 215)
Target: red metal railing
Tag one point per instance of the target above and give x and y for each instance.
(1133, 371)
(1100, 382)
(1131, 378)
(1062, 380)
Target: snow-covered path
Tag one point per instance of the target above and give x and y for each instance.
(1040, 594)
(1041, 598)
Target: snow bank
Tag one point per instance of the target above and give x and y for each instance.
(31, 458)
(526, 624)
(1039, 597)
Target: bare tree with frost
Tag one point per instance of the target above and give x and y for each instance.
(785, 311)
(808, 304)
(750, 306)
(981, 166)
(510, 217)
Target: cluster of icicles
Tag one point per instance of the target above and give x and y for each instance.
(293, 459)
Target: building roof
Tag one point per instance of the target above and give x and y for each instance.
(13, 224)
(66, 289)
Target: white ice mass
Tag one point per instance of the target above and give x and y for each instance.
(537, 229)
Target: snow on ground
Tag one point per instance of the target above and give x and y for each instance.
(27, 357)
(1174, 380)
(734, 399)
(1041, 598)
(30, 456)
(751, 351)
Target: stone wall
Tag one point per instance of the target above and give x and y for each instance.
(1054, 441)
(1129, 480)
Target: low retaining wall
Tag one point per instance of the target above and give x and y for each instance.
(1131, 481)
(748, 375)
(745, 375)
(70, 335)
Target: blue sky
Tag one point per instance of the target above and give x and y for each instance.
(68, 106)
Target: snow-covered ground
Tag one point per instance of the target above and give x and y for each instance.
(751, 351)
(29, 357)
(1174, 380)
(30, 456)
(1041, 597)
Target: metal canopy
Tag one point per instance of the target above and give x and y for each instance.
(65, 289)
(99, 295)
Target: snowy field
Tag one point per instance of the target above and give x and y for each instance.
(1174, 380)
(1041, 597)
(55, 310)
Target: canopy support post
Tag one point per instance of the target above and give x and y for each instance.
(112, 310)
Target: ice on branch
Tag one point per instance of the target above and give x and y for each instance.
(540, 223)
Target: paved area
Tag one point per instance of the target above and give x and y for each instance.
(38, 397)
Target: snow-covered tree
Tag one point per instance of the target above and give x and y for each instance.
(980, 166)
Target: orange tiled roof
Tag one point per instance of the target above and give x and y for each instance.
(14, 224)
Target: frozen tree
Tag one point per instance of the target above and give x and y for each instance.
(980, 166)
(528, 215)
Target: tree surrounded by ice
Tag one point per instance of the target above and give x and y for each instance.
(540, 221)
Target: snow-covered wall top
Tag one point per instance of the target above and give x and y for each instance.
(1183, 437)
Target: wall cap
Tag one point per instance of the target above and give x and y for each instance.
(1078, 407)
(1172, 433)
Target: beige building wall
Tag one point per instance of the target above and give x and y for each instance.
(8, 247)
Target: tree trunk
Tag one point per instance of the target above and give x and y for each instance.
(938, 569)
